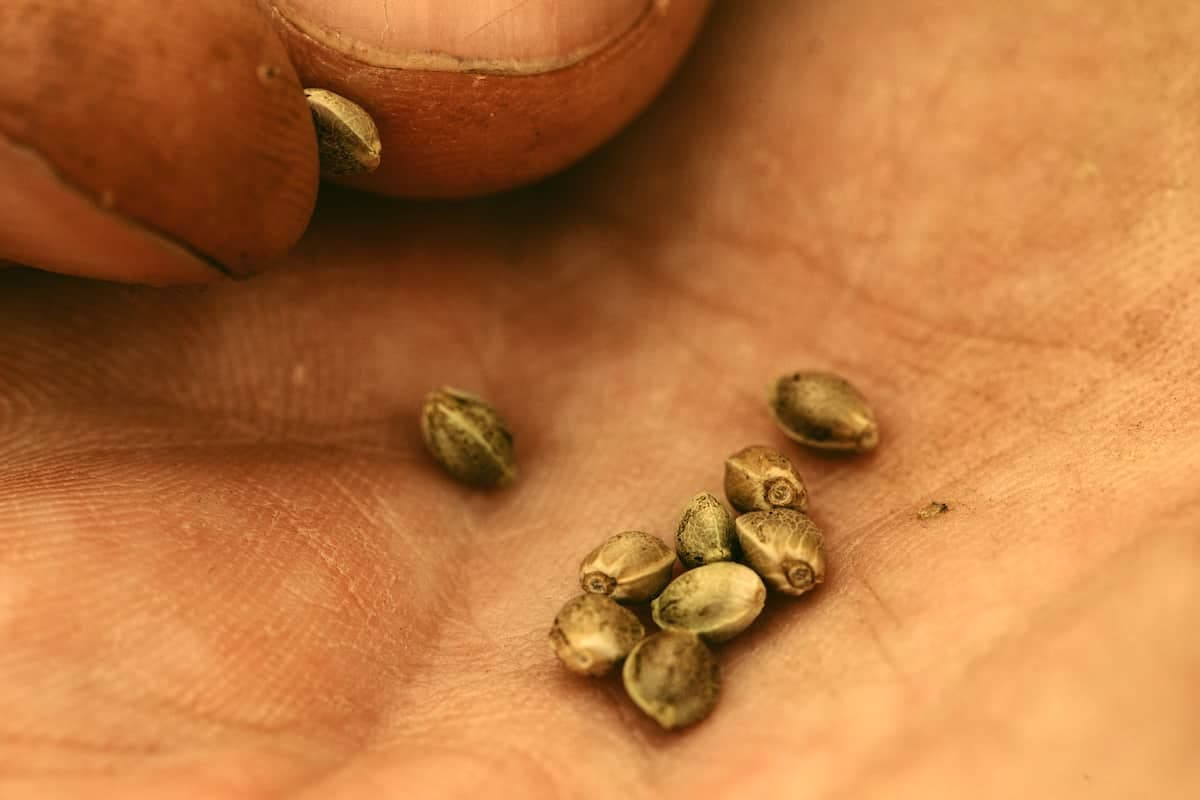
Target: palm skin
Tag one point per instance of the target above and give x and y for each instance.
(229, 569)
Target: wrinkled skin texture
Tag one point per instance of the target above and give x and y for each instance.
(228, 569)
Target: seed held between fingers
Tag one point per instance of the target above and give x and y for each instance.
(347, 138)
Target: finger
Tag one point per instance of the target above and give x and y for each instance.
(165, 142)
(473, 97)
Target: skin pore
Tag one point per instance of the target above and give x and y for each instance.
(227, 567)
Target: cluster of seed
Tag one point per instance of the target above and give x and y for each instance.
(672, 675)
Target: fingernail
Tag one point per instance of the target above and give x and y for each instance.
(467, 35)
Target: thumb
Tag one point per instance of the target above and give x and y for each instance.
(165, 143)
(474, 97)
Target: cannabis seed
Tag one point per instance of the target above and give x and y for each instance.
(784, 547)
(630, 567)
(673, 677)
(468, 438)
(823, 410)
(758, 478)
(705, 532)
(592, 633)
(347, 139)
(716, 602)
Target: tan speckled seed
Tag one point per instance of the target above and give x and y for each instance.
(716, 602)
(823, 411)
(468, 438)
(630, 567)
(347, 139)
(784, 547)
(591, 634)
(705, 533)
(673, 677)
(758, 478)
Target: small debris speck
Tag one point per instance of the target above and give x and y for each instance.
(267, 73)
(932, 510)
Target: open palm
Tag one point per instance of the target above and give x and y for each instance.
(229, 569)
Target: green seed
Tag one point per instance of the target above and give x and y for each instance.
(705, 532)
(716, 602)
(630, 567)
(784, 547)
(822, 410)
(673, 677)
(468, 438)
(591, 634)
(758, 478)
(347, 138)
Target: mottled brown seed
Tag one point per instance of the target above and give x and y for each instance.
(934, 509)
(347, 139)
(630, 567)
(705, 533)
(824, 411)
(591, 634)
(716, 602)
(468, 438)
(758, 478)
(673, 677)
(784, 547)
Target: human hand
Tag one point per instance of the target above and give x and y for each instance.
(227, 567)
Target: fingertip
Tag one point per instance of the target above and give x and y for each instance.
(151, 146)
(46, 223)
